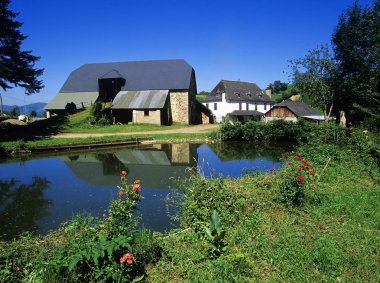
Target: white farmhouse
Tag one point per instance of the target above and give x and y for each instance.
(240, 101)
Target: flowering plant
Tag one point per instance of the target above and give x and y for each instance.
(120, 220)
(298, 177)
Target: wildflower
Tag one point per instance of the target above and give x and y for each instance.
(312, 173)
(124, 173)
(297, 154)
(121, 193)
(300, 168)
(272, 169)
(286, 153)
(137, 182)
(306, 162)
(136, 187)
(300, 178)
(128, 257)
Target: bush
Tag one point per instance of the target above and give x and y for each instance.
(298, 177)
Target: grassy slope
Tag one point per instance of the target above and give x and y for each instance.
(337, 239)
(78, 123)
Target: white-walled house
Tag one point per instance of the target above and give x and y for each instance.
(241, 101)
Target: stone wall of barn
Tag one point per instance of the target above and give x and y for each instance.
(140, 117)
(179, 104)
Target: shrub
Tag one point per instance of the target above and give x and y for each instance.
(297, 180)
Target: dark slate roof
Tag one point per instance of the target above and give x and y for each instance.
(299, 108)
(245, 113)
(238, 91)
(139, 75)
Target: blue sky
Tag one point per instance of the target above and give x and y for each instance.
(228, 39)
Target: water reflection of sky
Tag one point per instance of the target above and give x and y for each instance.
(211, 165)
(86, 182)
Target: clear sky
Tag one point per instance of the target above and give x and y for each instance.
(227, 39)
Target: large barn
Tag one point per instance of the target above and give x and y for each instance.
(152, 92)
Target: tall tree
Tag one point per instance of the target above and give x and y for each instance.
(315, 76)
(356, 42)
(17, 66)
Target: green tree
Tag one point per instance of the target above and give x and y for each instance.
(71, 108)
(15, 111)
(278, 86)
(315, 76)
(356, 42)
(17, 66)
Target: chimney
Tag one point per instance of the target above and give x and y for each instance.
(223, 97)
(268, 92)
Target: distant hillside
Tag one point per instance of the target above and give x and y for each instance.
(38, 107)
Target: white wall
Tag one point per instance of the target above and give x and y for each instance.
(222, 108)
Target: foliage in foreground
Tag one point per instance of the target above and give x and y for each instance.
(330, 234)
(232, 230)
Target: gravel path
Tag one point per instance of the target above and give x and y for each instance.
(188, 130)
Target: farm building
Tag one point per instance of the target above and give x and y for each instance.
(152, 92)
(240, 101)
(291, 111)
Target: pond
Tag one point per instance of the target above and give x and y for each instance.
(40, 193)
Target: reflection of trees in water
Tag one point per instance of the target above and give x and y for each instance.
(236, 151)
(21, 205)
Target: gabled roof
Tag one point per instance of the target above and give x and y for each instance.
(238, 91)
(139, 75)
(299, 108)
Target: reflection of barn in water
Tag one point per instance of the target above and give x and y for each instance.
(157, 166)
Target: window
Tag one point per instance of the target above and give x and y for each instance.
(146, 112)
(215, 106)
(265, 106)
(239, 105)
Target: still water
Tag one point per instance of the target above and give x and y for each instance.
(38, 194)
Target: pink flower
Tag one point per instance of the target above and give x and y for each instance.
(136, 187)
(128, 257)
(123, 173)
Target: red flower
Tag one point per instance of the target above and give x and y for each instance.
(297, 154)
(300, 168)
(272, 169)
(124, 173)
(286, 153)
(121, 193)
(306, 162)
(312, 173)
(137, 182)
(300, 178)
(136, 187)
(128, 257)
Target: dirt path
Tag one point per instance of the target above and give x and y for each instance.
(188, 130)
